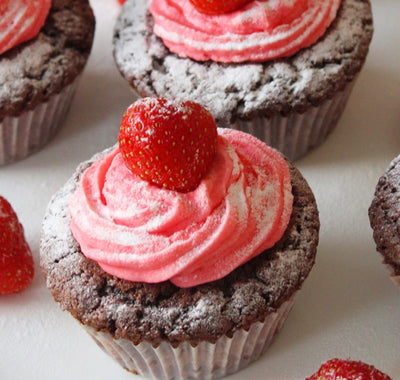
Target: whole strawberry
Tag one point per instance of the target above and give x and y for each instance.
(16, 262)
(168, 143)
(217, 7)
(338, 369)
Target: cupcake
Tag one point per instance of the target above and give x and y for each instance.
(39, 70)
(384, 214)
(181, 249)
(282, 72)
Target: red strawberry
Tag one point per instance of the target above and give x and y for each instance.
(16, 262)
(121, 1)
(168, 143)
(338, 369)
(217, 7)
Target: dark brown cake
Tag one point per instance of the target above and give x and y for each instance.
(162, 312)
(38, 79)
(384, 214)
(292, 103)
(247, 90)
(31, 72)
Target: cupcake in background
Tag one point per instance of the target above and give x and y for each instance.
(282, 71)
(196, 243)
(384, 213)
(44, 47)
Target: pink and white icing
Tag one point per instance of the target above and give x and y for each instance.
(259, 31)
(21, 20)
(140, 232)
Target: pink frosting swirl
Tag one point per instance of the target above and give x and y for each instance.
(260, 31)
(21, 20)
(139, 232)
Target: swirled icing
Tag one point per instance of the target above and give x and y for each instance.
(21, 20)
(260, 31)
(139, 232)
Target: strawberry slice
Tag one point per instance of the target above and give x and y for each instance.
(338, 369)
(217, 7)
(21, 20)
(16, 262)
(168, 143)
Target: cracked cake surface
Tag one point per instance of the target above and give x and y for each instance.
(33, 71)
(245, 90)
(164, 312)
(384, 215)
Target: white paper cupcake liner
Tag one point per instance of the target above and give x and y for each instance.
(393, 276)
(203, 361)
(25, 134)
(396, 279)
(297, 134)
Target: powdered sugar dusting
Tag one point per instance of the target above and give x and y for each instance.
(384, 216)
(256, 32)
(162, 312)
(41, 67)
(141, 232)
(261, 88)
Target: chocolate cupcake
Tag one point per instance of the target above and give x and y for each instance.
(204, 321)
(384, 214)
(38, 78)
(292, 103)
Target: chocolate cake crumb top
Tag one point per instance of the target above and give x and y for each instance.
(384, 215)
(245, 90)
(164, 312)
(33, 71)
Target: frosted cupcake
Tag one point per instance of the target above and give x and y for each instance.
(182, 249)
(282, 71)
(384, 215)
(41, 59)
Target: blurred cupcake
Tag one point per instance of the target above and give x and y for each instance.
(282, 72)
(384, 214)
(41, 59)
(180, 251)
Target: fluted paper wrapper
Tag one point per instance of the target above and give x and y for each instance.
(27, 133)
(395, 279)
(298, 133)
(203, 361)
(393, 275)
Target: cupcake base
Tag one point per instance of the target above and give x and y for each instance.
(291, 103)
(298, 133)
(39, 77)
(25, 134)
(394, 274)
(164, 332)
(203, 361)
(383, 216)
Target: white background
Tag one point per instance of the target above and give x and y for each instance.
(347, 308)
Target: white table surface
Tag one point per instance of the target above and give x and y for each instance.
(347, 308)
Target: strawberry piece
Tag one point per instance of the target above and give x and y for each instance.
(217, 7)
(16, 262)
(121, 1)
(338, 369)
(168, 143)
